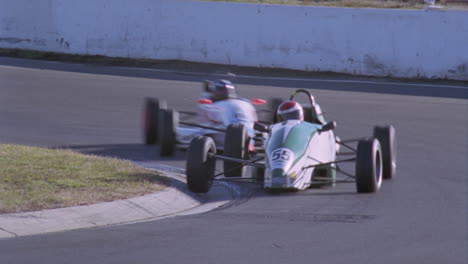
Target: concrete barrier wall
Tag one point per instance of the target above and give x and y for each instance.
(400, 43)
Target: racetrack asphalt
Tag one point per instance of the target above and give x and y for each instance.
(419, 217)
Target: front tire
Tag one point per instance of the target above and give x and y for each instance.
(168, 122)
(200, 166)
(259, 175)
(368, 166)
(151, 119)
(236, 145)
(387, 138)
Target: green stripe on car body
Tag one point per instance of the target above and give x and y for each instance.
(297, 140)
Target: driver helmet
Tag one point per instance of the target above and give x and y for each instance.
(222, 90)
(290, 110)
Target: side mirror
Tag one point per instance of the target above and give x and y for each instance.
(328, 126)
(261, 127)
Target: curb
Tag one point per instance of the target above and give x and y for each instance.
(175, 200)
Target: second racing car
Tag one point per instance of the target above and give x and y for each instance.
(218, 107)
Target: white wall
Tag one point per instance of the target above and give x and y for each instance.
(401, 43)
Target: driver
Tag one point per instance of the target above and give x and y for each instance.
(290, 110)
(219, 90)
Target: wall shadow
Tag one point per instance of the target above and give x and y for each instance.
(184, 71)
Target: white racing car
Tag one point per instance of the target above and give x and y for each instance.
(300, 150)
(217, 108)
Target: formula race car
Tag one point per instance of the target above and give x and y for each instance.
(218, 107)
(299, 151)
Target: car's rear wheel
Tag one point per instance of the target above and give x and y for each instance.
(168, 122)
(387, 138)
(150, 119)
(368, 166)
(200, 166)
(236, 145)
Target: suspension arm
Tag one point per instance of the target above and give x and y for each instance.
(331, 162)
(202, 126)
(243, 162)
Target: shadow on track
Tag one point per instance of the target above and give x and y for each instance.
(144, 153)
(309, 192)
(135, 152)
(258, 191)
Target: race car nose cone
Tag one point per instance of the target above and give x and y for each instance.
(280, 161)
(278, 178)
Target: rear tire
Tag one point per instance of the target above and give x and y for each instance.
(236, 145)
(168, 122)
(150, 120)
(368, 166)
(387, 138)
(200, 167)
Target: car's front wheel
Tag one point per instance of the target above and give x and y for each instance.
(200, 166)
(387, 138)
(151, 119)
(368, 166)
(168, 122)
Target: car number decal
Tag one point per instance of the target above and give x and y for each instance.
(280, 157)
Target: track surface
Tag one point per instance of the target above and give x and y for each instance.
(419, 217)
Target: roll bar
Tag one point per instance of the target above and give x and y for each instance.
(309, 95)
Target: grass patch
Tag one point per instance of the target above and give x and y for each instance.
(36, 178)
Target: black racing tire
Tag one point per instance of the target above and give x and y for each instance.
(273, 105)
(168, 122)
(236, 145)
(387, 138)
(260, 175)
(150, 120)
(200, 167)
(368, 166)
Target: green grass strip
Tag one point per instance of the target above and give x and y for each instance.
(36, 178)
